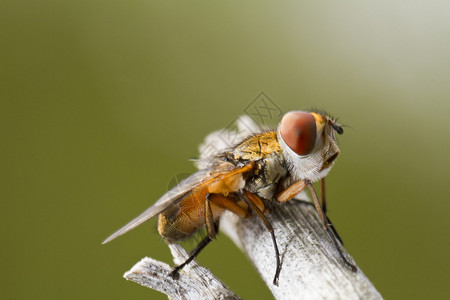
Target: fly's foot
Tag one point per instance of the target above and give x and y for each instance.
(351, 266)
(174, 274)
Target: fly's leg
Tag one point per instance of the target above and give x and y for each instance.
(299, 186)
(330, 224)
(197, 250)
(211, 226)
(230, 203)
(252, 200)
(291, 191)
(209, 219)
(220, 201)
(324, 209)
(324, 198)
(325, 220)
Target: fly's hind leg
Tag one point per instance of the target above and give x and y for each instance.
(194, 253)
(220, 202)
(212, 226)
(209, 219)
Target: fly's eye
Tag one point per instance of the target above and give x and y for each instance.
(298, 130)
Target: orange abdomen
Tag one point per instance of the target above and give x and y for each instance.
(182, 220)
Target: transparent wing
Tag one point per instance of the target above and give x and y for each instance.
(171, 197)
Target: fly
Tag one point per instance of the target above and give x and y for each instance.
(266, 166)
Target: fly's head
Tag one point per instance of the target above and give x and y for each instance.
(308, 144)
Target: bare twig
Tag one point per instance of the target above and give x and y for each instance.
(194, 282)
(311, 266)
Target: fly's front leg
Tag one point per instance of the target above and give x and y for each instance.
(325, 224)
(292, 191)
(324, 209)
(299, 186)
(323, 193)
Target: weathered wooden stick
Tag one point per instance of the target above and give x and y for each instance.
(194, 282)
(311, 266)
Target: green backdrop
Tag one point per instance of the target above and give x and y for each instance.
(103, 102)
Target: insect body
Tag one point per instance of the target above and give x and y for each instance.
(264, 167)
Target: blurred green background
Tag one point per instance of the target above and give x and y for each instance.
(103, 102)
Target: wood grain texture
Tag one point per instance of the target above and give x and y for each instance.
(194, 282)
(311, 266)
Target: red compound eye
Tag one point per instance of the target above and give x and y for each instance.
(298, 130)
